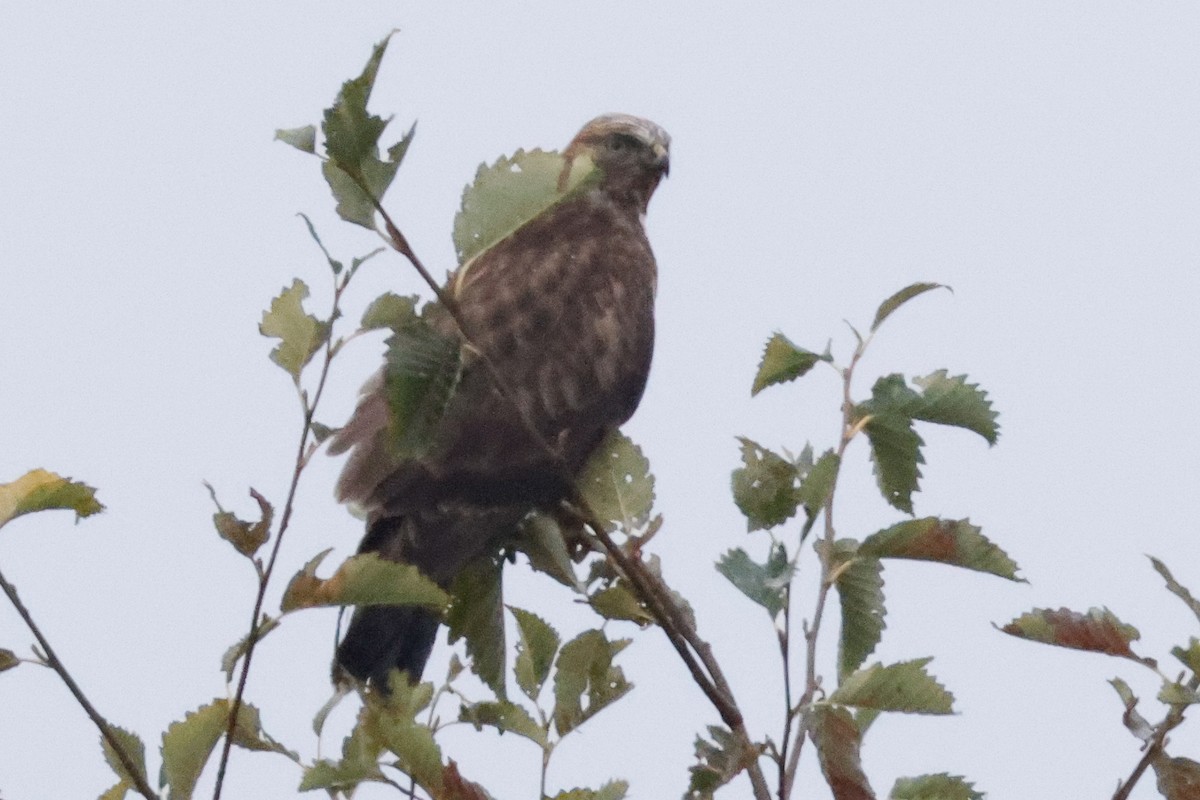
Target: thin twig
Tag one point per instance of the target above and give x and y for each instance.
(54, 662)
(285, 518)
(1155, 748)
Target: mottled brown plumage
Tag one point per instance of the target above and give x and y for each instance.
(564, 310)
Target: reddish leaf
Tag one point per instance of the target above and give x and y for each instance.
(456, 787)
(1178, 778)
(1098, 631)
(836, 736)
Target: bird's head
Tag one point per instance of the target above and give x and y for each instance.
(632, 154)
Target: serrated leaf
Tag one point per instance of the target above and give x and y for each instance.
(118, 791)
(187, 745)
(860, 589)
(339, 776)
(952, 401)
(1178, 778)
(508, 194)
(477, 614)
(904, 687)
(1175, 587)
(355, 173)
(887, 307)
(390, 310)
(536, 648)
(304, 138)
(955, 542)
(718, 762)
(837, 739)
(248, 734)
(1131, 718)
(764, 487)
(896, 453)
(362, 580)
(613, 790)
(766, 584)
(422, 368)
(504, 717)
(783, 361)
(816, 484)
(391, 722)
(617, 485)
(8, 659)
(1098, 631)
(246, 537)
(40, 490)
(618, 602)
(542, 540)
(131, 744)
(300, 334)
(941, 786)
(230, 659)
(456, 787)
(584, 670)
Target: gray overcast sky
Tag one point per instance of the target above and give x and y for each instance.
(1040, 157)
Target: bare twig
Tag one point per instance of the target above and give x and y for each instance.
(285, 518)
(1155, 748)
(56, 664)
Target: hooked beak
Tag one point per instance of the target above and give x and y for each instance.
(662, 159)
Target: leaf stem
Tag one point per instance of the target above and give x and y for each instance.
(1155, 748)
(55, 663)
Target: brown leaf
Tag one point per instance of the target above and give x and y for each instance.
(837, 738)
(1098, 631)
(456, 787)
(1178, 778)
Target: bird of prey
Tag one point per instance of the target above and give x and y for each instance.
(563, 309)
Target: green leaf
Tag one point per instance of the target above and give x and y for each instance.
(304, 138)
(838, 742)
(8, 660)
(390, 311)
(859, 582)
(585, 671)
(355, 173)
(187, 744)
(504, 717)
(339, 776)
(362, 580)
(300, 334)
(904, 687)
(1098, 631)
(783, 361)
(1190, 657)
(618, 602)
(1178, 778)
(617, 485)
(896, 452)
(246, 537)
(816, 485)
(955, 542)
(764, 487)
(536, 648)
(941, 786)
(508, 194)
(477, 614)
(133, 747)
(952, 401)
(900, 298)
(1176, 694)
(718, 762)
(422, 369)
(1175, 587)
(39, 490)
(542, 540)
(391, 721)
(234, 653)
(334, 264)
(613, 790)
(766, 584)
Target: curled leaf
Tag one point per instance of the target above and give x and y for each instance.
(40, 490)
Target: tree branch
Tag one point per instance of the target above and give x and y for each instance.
(56, 664)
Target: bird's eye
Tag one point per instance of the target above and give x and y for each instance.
(617, 144)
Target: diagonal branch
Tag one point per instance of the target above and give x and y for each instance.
(53, 661)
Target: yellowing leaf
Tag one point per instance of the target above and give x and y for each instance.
(838, 742)
(133, 748)
(955, 542)
(362, 580)
(300, 333)
(39, 490)
(905, 687)
(1098, 630)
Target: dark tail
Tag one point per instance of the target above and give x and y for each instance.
(384, 638)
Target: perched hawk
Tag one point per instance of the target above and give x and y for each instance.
(564, 309)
